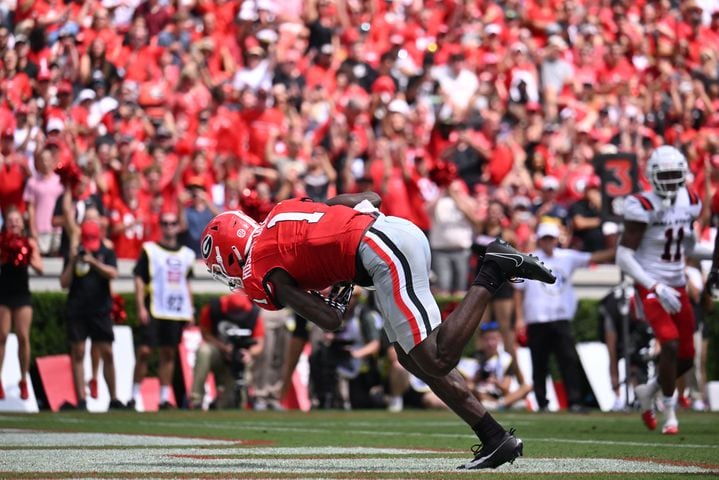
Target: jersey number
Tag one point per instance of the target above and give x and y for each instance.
(669, 235)
(295, 217)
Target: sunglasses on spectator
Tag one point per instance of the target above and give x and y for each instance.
(166, 223)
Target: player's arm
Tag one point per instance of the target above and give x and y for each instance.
(352, 199)
(631, 238)
(628, 244)
(312, 307)
(698, 251)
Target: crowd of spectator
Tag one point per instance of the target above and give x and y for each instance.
(475, 117)
(212, 105)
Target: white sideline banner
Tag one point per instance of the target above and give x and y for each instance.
(123, 354)
(10, 380)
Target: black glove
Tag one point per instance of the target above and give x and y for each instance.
(712, 282)
(339, 296)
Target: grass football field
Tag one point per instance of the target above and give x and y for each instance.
(349, 445)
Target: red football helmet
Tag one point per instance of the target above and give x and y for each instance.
(225, 244)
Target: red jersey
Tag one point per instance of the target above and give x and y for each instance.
(315, 243)
(128, 243)
(13, 176)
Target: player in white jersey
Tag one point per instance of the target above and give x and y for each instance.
(658, 233)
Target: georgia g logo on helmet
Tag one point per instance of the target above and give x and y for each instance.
(206, 246)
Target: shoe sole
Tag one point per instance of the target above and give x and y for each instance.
(487, 462)
(527, 267)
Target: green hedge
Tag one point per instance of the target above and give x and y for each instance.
(48, 336)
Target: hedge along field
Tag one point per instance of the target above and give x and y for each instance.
(48, 335)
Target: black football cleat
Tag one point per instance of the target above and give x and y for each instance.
(485, 456)
(517, 265)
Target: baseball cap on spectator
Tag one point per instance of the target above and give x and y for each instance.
(267, 5)
(90, 235)
(86, 94)
(64, 87)
(493, 29)
(384, 84)
(592, 182)
(8, 132)
(533, 107)
(21, 38)
(583, 127)
(195, 181)
(521, 202)
(110, 3)
(22, 109)
(107, 105)
(54, 124)
(267, 35)
(70, 29)
(43, 75)
(164, 132)
(98, 80)
(550, 183)
(398, 106)
(327, 49)
(518, 47)
(548, 229)
(247, 13)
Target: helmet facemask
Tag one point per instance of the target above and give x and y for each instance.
(668, 182)
(667, 171)
(218, 271)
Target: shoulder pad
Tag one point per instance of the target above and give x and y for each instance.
(637, 208)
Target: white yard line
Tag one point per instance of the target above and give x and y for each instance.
(203, 461)
(186, 455)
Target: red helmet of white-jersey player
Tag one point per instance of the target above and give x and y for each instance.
(224, 246)
(667, 171)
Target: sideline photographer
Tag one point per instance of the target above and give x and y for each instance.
(233, 335)
(89, 269)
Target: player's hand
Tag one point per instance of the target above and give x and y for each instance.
(341, 294)
(668, 298)
(713, 282)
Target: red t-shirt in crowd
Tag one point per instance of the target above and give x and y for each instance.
(128, 243)
(13, 175)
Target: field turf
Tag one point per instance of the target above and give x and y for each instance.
(336, 444)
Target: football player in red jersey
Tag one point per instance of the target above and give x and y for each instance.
(658, 233)
(305, 246)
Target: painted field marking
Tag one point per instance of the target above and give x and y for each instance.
(200, 456)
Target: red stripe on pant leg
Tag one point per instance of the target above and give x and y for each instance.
(684, 320)
(396, 289)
